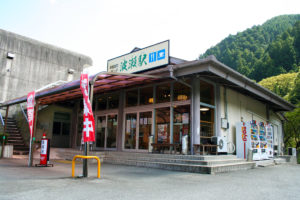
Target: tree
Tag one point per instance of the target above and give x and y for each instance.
(292, 129)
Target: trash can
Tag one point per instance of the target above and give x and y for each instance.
(184, 150)
(150, 141)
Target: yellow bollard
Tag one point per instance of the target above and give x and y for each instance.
(86, 157)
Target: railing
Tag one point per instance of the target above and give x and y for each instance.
(23, 112)
(86, 157)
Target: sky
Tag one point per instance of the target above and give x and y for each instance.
(105, 29)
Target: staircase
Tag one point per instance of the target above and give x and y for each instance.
(15, 138)
(187, 163)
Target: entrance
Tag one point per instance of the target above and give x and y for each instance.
(61, 130)
(140, 123)
(106, 131)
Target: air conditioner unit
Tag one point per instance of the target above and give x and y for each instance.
(221, 141)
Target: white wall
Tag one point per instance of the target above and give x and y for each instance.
(241, 107)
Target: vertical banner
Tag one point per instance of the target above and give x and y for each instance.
(88, 118)
(30, 111)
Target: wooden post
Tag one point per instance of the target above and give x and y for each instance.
(31, 150)
(74, 124)
(6, 116)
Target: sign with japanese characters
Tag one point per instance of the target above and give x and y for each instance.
(143, 59)
(30, 111)
(88, 118)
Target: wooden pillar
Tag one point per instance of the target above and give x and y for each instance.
(195, 113)
(74, 124)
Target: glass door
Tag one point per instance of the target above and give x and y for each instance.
(101, 127)
(145, 128)
(130, 131)
(112, 126)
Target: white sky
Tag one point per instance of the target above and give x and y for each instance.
(104, 29)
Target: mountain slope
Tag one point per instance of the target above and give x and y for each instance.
(252, 51)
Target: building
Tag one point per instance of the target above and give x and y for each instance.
(198, 99)
(27, 64)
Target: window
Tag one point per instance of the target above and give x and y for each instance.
(145, 127)
(162, 128)
(113, 101)
(207, 93)
(163, 93)
(112, 125)
(146, 96)
(102, 103)
(181, 125)
(131, 98)
(181, 92)
(130, 131)
(61, 124)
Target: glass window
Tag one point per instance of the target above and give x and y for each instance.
(181, 123)
(162, 126)
(101, 126)
(130, 131)
(145, 127)
(102, 103)
(113, 101)
(131, 98)
(207, 93)
(163, 93)
(181, 92)
(112, 124)
(146, 96)
(207, 121)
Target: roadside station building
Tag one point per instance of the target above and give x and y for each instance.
(149, 93)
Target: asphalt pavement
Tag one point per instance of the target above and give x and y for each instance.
(17, 181)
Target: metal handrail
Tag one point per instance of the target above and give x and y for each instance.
(2, 121)
(23, 112)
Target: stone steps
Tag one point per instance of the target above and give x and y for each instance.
(186, 163)
(15, 138)
(171, 156)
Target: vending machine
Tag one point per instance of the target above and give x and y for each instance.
(269, 133)
(247, 137)
(263, 141)
(255, 143)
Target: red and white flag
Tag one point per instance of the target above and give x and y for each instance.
(88, 118)
(30, 110)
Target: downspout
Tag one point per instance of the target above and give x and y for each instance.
(171, 70)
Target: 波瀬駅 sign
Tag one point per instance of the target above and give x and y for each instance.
(143, 59)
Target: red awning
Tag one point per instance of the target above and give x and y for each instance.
(103, 82)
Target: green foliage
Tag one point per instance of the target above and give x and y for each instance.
(292, 129)
(282, 85)
(262, 51)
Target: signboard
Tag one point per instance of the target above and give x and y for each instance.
(88, 118)
(30, 111)
(144, 59)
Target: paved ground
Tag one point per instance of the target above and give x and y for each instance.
(121, 182)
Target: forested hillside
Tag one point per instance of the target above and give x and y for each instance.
(262, 51)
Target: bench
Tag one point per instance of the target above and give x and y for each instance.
(161, 147)
(206, 148)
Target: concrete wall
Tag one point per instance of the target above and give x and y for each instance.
(44, 122)
(241, 107)
(35, 64)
